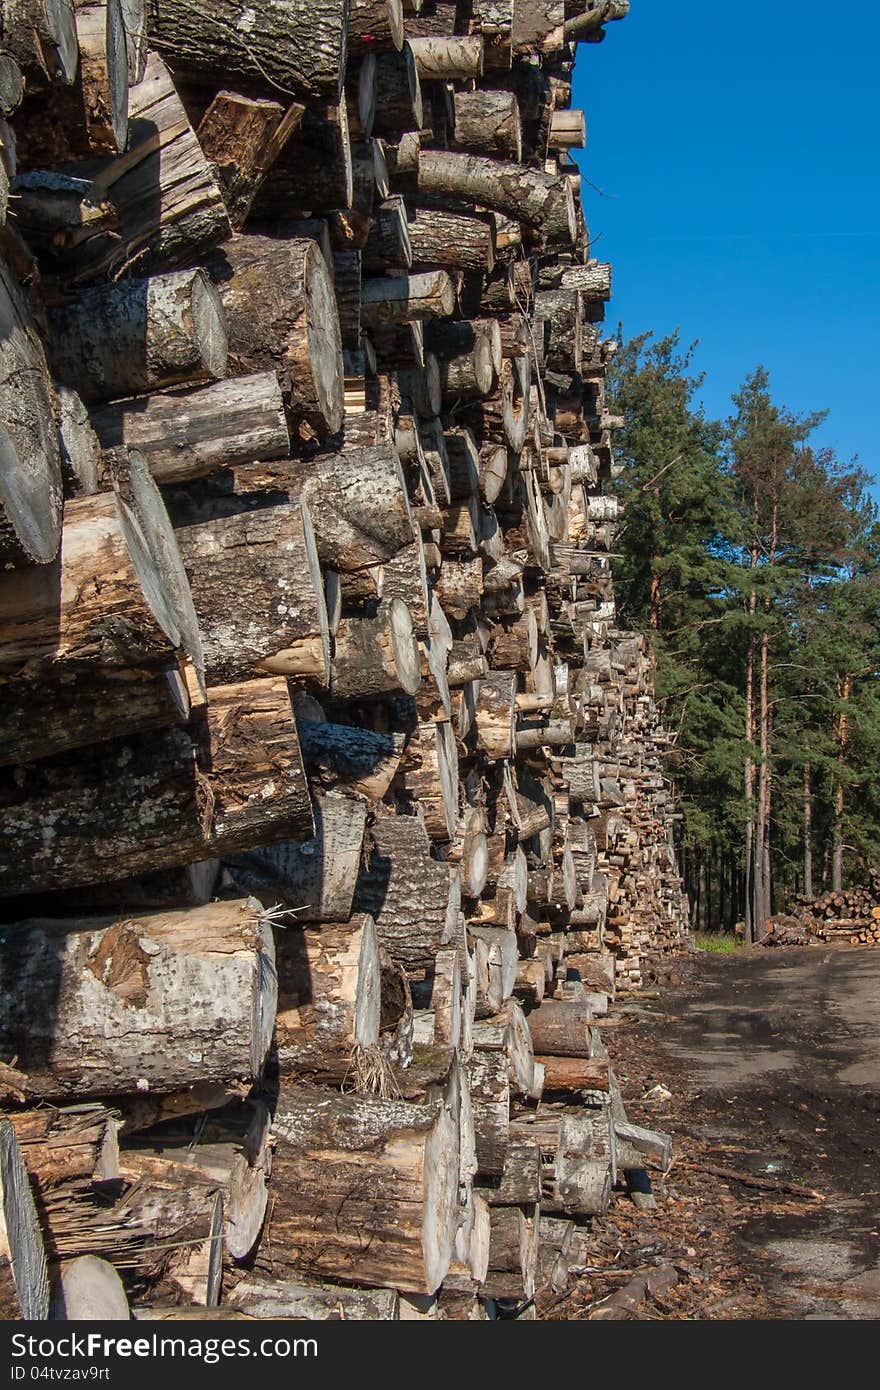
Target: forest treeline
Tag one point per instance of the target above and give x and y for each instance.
(752, 556)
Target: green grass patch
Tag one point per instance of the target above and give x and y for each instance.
(718, 941)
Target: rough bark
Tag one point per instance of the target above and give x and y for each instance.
(413, 898)
(399, 106)
(314, 172)
(102, 1006)
(190, 434)
(267, 553)
(39, 718)
(376, 656)
(294, 46)
(458, 241)
(542, 200)
(280, 314)
(394, 1168)
(229, 780)
(450, 59)
(488, 123)
(137, 336)
(398, 298)
(489, 1084)
(496, 715)
(359, 762)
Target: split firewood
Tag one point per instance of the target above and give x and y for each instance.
(156, 207)
(242, 137)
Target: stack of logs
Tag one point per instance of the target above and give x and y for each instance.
(331, 804)
(852, 915)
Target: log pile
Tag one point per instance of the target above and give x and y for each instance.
(331, 803)
(852, 915)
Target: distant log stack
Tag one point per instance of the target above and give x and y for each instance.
(331, 798)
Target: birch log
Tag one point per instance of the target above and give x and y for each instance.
(106, 1007)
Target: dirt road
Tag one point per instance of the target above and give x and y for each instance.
(772, 1058)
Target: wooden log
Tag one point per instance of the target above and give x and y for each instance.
(459, 241)
(41, 35)
(405, 577)
(137, 336)
(298, 46)
(314, 172)
(190, 434)
(513, 1253)
(394, 1165)
(496, 715)
(116, 596)
(23, 1241)
(520, 1183)
(395, 298)
(574, 1073)
(450, 59)
(30, 462)
(271, 552)
(568, 130)
(560, 1029)
(39, 718)
(89, 1288)
(413, 898)
(359, 506)
(501, 417)
(112, 1006)
(242, 137)
(232, 778)
(460, 588)
(508, 1032)
(317, 877)
(329, 999)
(376, 656)
(488, 123)
(399, 106)
(488, 1075)
(431, 778)
(343, 758)
(66, 1145)
(375, 24)
(388, 246)
(157, 205)
(541, 200)
(89, 117)
(11, 84)
(278, 302)
(257, 1297)
(514, 645)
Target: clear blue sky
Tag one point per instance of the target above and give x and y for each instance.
(740, 152)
